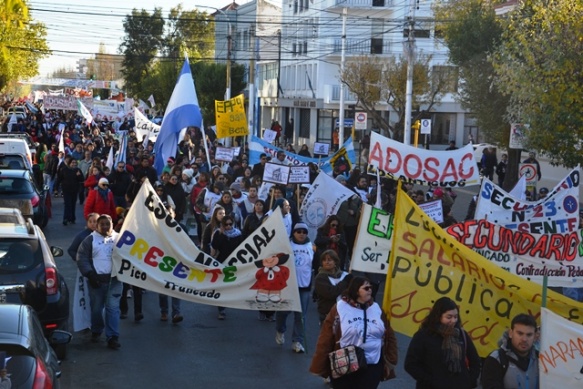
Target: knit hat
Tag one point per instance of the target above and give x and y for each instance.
(301, 226)
(235, 186)
(188, 172)
(103, 180)
(341, 179)
(438, 192)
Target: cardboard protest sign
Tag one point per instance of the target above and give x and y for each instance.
(230, 117)
(452, 168)
(556, 213)
(434, 209)
(154, 253)
(145, 128)
(372, 246)
(299, 175)
(278, 174)
(225, 154)
(427, 263)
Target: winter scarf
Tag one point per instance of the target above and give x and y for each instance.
(452, 347)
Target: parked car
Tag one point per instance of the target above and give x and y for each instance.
(32, 145)
(29, 275)
(13, 162)
(32, 362)
(18, 190)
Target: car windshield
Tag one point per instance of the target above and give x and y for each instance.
(11, 162)
(20, 365)
(19, 254)
(15, 185)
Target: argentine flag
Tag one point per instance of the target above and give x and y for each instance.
(182, 111)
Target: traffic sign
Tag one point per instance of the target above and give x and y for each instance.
(528, 170)
(426, 126)
(361, 121)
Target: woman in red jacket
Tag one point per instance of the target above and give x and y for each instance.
(100, 200)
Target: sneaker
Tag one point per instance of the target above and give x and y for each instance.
(113, 343)
(279, 338)
(222, 316)
(138, 316)
(123, 315)
(270, 318)
(95, 337)
(65, 222)
(164, 317)
(177, 318)
(298, 348)
(130, 293)
(262, 316)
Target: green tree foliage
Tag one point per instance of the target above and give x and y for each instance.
(22, 42)
(374, 80)
(190, 32)
(142, 42)
(538, 65)
(211, 81)
(472, 33)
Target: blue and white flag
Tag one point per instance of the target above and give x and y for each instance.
(182, 111)
(342, 161)
(121, 153)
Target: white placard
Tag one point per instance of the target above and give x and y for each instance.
(299, 175)
(269, 135)
(321, 148)
(236, 151)
(275, 173)
(517, 135)
(224, 154)
(433, 209)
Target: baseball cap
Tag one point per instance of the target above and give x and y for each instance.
(103, 180)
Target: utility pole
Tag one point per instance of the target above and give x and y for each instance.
(410, 53)
(342, 59)
(251, 108)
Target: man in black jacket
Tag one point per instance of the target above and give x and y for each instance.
(70, 176)
(119, 182)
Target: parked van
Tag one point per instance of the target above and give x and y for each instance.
(16, 146)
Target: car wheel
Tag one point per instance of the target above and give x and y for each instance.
(61, 351)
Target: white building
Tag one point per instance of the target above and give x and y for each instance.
(308, 64)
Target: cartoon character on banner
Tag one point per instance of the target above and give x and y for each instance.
(340, 162)
(271, 278)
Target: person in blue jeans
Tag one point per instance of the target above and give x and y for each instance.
(176, 316)
(95, 262)
(304, 254)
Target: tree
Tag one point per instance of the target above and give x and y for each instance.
(373, 80)
(538, 65)
(190, 32)
(142, 43)
(22, 42)
(472, 33)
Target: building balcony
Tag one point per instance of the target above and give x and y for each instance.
(361, 8)
(361, 46)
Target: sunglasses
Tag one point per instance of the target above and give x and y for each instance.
(367, 288)
(106, 185)
(229, 225)
(301, 231)
(334, 225)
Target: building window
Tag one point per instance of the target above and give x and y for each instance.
(295, 6)
(304, 123)
(294, 49)
(376, 46)
(305, 47)
(378, 3)
(419, 33)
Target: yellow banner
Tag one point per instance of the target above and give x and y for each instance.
(230, 117)
(426, 263)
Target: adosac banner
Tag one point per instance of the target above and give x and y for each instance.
(342, 161)
(374, 240)
(561, 352)
(154, 253)
(230, 117)
(452, 168)
(556, 213)
(530, 256)
(426, 263)
(145, 127)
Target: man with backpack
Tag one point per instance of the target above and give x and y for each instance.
(515, 364)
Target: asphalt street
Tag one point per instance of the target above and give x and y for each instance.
(203, 352)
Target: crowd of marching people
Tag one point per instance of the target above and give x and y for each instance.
(226, 203)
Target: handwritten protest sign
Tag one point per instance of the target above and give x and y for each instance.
(299, 175)
(230, 117)
(372, 246)
(428, 264)
(434, 210)
(225, 154)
